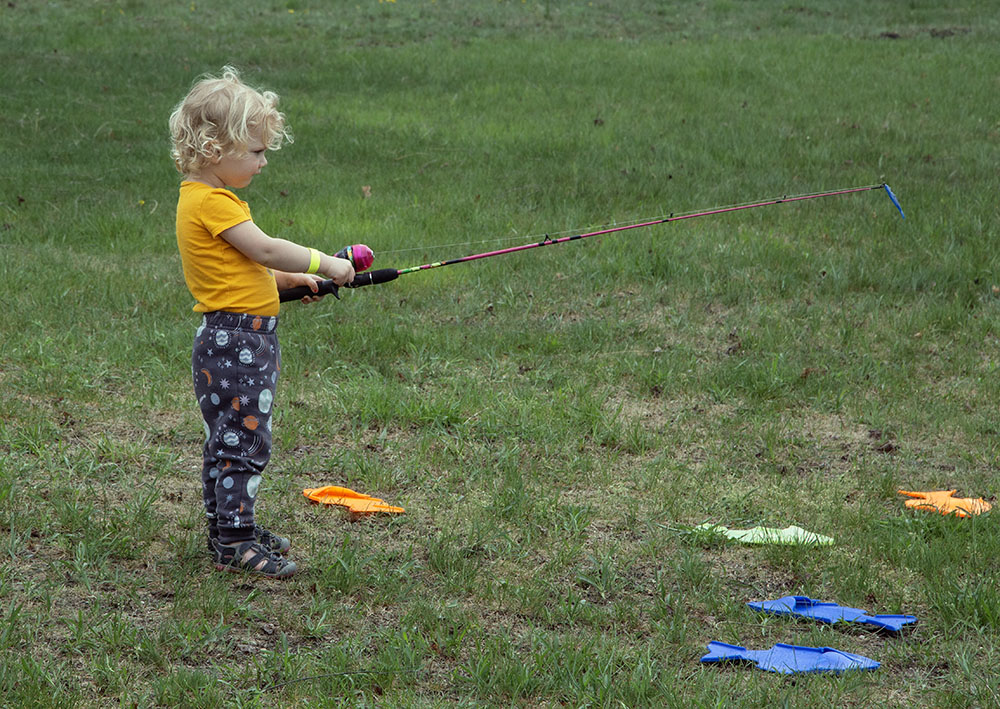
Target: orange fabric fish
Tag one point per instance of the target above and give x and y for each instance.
(943, 502)
(356, 502)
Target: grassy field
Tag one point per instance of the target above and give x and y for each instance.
(556, 422)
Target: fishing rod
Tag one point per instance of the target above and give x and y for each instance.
(384, 275)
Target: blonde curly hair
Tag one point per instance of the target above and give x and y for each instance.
(221, 116)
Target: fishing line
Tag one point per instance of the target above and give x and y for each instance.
(494, 240)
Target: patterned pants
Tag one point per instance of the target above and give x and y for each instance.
(235, 363)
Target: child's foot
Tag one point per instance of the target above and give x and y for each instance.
(252, 557)
(265, 537)
(269, 539)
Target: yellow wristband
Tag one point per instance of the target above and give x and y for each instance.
(313, 261)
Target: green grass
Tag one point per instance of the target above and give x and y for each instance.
(555, 422)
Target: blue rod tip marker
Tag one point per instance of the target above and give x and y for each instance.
(895, 201)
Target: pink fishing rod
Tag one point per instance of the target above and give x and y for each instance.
(384, 275)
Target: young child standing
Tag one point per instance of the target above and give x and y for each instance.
(221, 132)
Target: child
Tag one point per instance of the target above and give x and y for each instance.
(221, 132)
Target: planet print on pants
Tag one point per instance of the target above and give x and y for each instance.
(264, 401)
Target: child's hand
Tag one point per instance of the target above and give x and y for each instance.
(339, 269)
(284, 281)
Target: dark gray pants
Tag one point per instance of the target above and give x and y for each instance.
(235, 363)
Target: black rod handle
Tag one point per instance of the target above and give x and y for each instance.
(382, 275)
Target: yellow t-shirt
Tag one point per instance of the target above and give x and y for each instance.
(217, 274)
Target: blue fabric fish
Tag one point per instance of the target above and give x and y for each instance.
(791, 659)
(826, 612)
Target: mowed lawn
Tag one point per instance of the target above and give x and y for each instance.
(556, 422)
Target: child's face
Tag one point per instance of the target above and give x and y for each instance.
(238, 169)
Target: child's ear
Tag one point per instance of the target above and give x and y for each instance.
(213, 151)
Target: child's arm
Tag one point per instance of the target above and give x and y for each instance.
(282, 255)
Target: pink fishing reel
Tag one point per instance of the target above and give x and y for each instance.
(360, 256)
